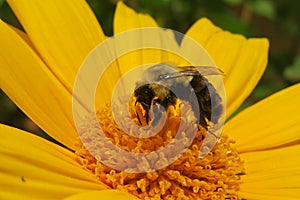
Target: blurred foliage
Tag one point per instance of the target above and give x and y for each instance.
(277, 20)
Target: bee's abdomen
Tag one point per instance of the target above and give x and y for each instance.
(209, 101)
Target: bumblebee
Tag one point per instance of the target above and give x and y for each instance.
(155, 91)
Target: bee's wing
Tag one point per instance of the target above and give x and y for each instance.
(193, 71)
(203, 70)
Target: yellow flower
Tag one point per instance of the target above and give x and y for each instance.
(38, 70)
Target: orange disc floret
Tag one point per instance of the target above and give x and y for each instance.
(216, 176)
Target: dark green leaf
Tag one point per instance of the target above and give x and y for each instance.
(234, 2)
(1, 2)
(264, 8)
(292, 72)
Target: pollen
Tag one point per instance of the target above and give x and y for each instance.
(188, 176)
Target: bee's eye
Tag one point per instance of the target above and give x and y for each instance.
(146, 91)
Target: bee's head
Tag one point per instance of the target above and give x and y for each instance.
(144, 94)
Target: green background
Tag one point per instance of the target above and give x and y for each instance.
(277, 20)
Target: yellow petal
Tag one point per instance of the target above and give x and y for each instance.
(271, 123)
(63, 32)
(30, 84)
(126, 19)
(245, 71)
(201, 31)
(103, 194)
(126, 53)
(146, 32)
(137, 41)
(273, 173)
(242, 60)
(269, 196)
(34, 168)
(23, 35)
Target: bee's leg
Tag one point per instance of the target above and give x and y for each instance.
(215, 136)
(136, 113)
(170, 99)
(159, 106)
(146, 107)
(147, 115)
(157, 112)
(203, 122)
(138, 116)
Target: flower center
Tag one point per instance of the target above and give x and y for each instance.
(216, 176)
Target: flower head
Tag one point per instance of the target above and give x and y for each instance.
(255, 157)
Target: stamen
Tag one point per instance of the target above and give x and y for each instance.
(216, 176)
